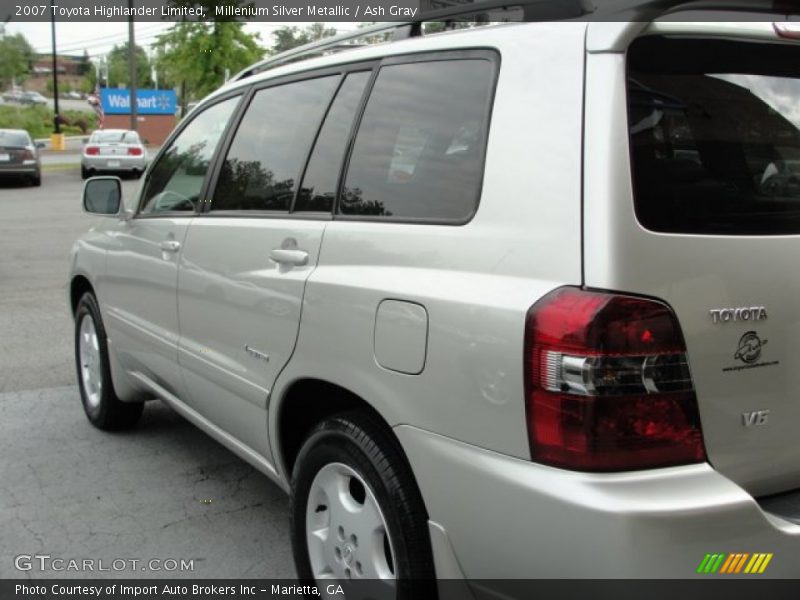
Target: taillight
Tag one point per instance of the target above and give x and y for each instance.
(135, 151)
(28, 154)
(608, 386)
(92, 150)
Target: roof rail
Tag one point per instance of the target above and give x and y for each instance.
(648, 10)
(534, 10)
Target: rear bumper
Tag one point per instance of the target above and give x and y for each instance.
(106, 163)
(17, 170)
(508, 518)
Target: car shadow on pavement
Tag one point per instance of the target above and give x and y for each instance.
(162, 490)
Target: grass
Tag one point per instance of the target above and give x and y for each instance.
(48, 168)
(38, 120)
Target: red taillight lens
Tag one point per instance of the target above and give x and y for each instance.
(608, 386)
(135, 151)
(92, 150)
(28, 154)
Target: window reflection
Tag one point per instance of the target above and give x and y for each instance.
(419, 153)
(175, 181)
(271, 145)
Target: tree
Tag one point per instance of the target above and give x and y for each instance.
(196, 57)
(17, 59)
(85, 66)
(118, 73)
(287, 37)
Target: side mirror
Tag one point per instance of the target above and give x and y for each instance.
(102, 195)
(41, 145)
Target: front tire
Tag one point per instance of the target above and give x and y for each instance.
(101, 404)
(357, 514)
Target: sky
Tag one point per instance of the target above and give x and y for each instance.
(73, 38)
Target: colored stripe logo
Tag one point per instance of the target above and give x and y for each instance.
(735, 563)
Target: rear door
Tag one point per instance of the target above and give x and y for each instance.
(246, 260)
(709, 221)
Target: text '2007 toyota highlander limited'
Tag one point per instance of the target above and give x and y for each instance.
(462, 294)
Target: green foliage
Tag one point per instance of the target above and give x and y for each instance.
(287, 37)
(118, 73)
(38, 120)
(16, 57)
(197, 56)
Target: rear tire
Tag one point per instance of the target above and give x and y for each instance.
(85, 173)
(36, 180)
(357, 514)
(101, 404)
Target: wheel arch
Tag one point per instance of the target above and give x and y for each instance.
(78, 286)
(124, 387)
(304, 403)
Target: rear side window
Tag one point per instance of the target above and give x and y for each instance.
(715, 136)
(420, 147)
(270, 146)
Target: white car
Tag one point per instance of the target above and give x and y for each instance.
(113, 151)
(500, 303)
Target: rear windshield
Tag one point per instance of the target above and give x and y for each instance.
(127, 137)
(715, 136)
(13, 138)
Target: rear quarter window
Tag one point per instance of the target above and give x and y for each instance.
(714, 131)
(419, 151)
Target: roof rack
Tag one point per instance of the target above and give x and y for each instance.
(534, 10)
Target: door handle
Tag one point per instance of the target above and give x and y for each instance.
(170, 245)
(286, 256)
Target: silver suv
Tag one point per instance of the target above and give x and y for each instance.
(509, 301)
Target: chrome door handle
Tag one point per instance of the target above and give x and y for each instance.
(285, 256)
(170, 245)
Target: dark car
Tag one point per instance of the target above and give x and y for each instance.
(19, 156)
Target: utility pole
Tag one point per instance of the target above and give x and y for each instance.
(132, 68)
(56, 118)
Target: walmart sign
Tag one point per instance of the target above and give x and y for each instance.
(148, 102)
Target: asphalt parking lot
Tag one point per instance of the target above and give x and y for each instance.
(163, 491)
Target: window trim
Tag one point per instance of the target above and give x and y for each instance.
(371, 72)
(241, 92)
(489, 54)
(342, 71)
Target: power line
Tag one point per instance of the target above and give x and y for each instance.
(106, 40)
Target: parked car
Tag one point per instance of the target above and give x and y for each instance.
(12, 95)
(34, 98)
(114, 151)
(465, 297)
(19, 156)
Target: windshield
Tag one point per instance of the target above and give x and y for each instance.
(715, 136)
(127, 137)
